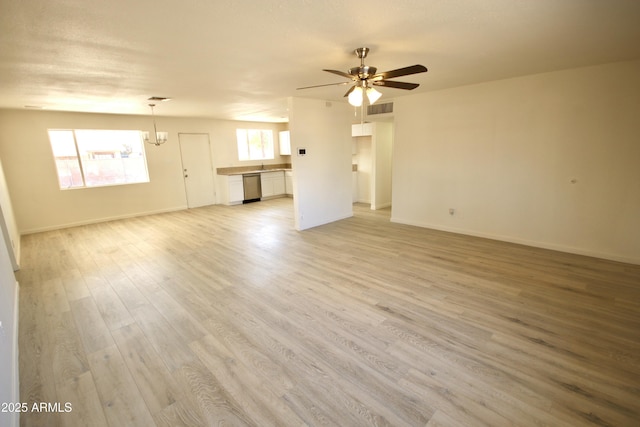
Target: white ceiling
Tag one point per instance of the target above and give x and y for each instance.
(241, 59)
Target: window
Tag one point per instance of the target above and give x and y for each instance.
(255, 144)
(95, 158)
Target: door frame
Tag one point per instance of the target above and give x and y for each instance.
(213, 175)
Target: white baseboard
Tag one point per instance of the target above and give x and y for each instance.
(381, 206)
(99, 220)
(325, 221)
(526, 242)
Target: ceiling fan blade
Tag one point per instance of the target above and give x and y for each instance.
(413, 69)
(328, 84)
(396, 85)
(340, 73)
(350, 90)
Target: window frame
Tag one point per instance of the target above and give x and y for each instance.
(80, 160)
(246, 142)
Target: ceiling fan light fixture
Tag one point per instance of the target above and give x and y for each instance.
(355, 97)
(363, 78)
(373, 95)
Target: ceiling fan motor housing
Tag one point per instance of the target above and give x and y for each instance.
(363, 72)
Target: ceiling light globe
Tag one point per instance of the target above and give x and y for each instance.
(373, 95)
(355, 97)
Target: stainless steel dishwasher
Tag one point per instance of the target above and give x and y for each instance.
(252, 187)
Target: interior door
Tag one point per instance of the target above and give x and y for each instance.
(197, 169)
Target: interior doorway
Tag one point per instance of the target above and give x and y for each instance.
(373, 155)
(197, 169)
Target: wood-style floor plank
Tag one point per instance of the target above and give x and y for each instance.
(85, 407)
(37, 379)
(179, 414)
(121, 399)
(69, 360)
(91, 325)
(228, 316)
(153, 379)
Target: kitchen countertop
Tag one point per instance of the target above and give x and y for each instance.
(255, 171)
(241, 170)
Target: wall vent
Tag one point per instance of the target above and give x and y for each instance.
(380, 108)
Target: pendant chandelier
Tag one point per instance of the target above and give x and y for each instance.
(159, 137)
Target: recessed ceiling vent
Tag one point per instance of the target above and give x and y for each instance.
(159, 99)
(380, 108)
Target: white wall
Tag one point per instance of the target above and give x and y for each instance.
(364, 158)
(38, 202)
(8, 227)
(504, 154)
(9, 391)
(382, 149)
(322, 178)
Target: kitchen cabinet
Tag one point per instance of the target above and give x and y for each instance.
(231, 189)
(354, 186)
(285, 143)
(362, 129)
(288, 183)
(272, 184)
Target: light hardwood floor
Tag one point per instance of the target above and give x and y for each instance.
(227, 316)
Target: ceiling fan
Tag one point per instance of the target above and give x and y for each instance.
(364, 77)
